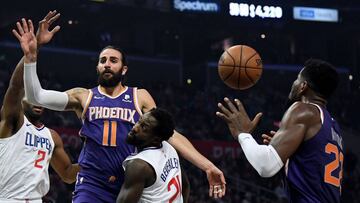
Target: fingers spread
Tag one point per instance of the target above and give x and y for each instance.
(31, 26)
(24, 25)
(230, 105)
(21, 31)
(257, 118)
(51, 20)
(55, 30)
(50, 15)
(16, 34)
(222, 116)
(224, 109)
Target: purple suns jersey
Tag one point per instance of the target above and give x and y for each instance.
(314, 171)
(106, 123)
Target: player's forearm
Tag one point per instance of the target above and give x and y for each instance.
(188, 151)
(17, 77)
(70, 173)
(35, 94)
(263, 158)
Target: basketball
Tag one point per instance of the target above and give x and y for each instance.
(240, 67)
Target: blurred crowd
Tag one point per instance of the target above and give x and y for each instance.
(194, 110)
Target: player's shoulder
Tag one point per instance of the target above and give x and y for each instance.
(55, 136)
(142, 92)
(146, 101)
(78, 91)
(303, 111)
(138, 165)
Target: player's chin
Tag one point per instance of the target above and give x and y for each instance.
(130, 139)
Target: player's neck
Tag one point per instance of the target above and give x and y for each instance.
(113, 91)
(150, 146)
(36, 122)
(314, 99)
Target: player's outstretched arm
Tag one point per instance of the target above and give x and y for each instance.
(11, 112)
(217, 184)
(54, 100)
(267, 160)
(138, 175)
(60, 161)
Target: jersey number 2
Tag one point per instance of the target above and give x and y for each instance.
(109, 131)
(330, 167)
(176, 182)
(41, 157)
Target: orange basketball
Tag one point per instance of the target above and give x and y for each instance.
(240, 67)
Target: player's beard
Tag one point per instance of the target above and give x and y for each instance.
(112, 81)
(132, 139)
(292, 98)
(31, 115)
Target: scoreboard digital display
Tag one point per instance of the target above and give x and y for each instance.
(255, 10)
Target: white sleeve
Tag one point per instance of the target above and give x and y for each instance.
(263, 158)
(36, 95)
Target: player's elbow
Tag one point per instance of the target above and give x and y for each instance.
(67, 179)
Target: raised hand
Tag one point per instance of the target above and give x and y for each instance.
(43, 34)
(216, 181)
(27, 39)
(236, 117)
(267, 137)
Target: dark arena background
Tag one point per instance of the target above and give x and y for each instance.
(173, 47)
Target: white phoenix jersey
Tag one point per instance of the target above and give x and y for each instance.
(24, 162)
(168, 185)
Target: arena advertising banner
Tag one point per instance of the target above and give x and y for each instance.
(257, 10)
(315, 14)
(229, 8)
(211, 6)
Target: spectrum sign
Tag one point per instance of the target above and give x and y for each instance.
(197, 6)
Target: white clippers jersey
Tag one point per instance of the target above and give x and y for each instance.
(168, 185)
(24, 162)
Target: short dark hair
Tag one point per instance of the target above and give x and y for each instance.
(165, 123)
(123, 55)
(321, 77)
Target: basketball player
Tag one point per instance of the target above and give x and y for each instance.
(154, 173)
(309, 138)
(109, 111)
(27, 146)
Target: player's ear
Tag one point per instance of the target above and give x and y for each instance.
(124, 70)
(304, 86)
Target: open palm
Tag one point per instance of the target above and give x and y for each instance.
(26, 37)
(43, 34)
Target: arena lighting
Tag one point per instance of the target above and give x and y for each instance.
(255, 10)
(191, 5)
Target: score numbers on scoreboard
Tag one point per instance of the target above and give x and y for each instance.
(252, 10)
